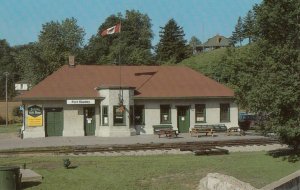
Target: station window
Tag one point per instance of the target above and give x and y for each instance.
(104, 115)
(165, 114)
(119, 115)
(224, 113)
(200, 113)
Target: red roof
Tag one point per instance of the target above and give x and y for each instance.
(82, 81)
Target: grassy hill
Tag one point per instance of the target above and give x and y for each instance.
(205, 62)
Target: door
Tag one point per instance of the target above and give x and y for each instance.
(89, 121)
(54, 122)
(183, 119)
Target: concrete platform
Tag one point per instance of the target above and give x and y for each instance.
(30, 176)
(14, 143)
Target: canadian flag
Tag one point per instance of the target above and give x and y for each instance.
(112, 30)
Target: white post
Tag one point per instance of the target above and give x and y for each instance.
(6, 75)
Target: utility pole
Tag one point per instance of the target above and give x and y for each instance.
(6, 77)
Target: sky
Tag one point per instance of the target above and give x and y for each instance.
(21, 20)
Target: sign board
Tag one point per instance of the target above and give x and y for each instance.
(199, 119)
(35, 116)
(79, 102)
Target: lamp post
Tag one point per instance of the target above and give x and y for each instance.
(6, 76)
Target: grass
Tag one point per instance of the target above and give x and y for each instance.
(152, 172)
(11, 128)
(205, 62)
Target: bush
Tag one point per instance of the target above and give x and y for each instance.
(2, 121)
(16, 111)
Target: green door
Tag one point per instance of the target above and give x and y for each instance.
(89, 121)
(183, 119)
(54, 121)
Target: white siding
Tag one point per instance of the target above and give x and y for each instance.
(72, 115)
(111, 99)
(152, 112)
(74, 124)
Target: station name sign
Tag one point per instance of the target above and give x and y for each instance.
(79, 102)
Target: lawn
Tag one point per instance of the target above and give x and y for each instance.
(11, 128)
(152, 172)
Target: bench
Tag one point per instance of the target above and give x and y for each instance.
(215, 127)
(219, 128)
(166, 130)
(197, 130)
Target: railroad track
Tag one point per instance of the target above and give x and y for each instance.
(183, 146)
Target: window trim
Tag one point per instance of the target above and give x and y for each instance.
(228, 114)
(169, 121)
(107, 115)
(124, 116)
(204, 113)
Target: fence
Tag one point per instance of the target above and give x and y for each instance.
(11, 117)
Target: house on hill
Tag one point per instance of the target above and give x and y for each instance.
(215, 42)
(101, 100)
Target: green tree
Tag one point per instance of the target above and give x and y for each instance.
(7, 64)
(265, 74)
(279, 22)
(248, 26)
(237, 34)
(194, 42)
(132, 44)
(172, 45)
(30, 62)
(57, 41)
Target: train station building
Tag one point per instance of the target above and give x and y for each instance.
(105, 101)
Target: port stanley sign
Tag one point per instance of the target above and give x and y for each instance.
(87, 101)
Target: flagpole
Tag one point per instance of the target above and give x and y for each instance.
(120, 68)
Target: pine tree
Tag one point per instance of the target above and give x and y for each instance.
(172, 45)
(248, 26)
(237, 35)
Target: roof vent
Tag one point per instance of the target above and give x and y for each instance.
(71, 61)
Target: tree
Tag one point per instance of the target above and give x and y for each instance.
(194, 42)
(265, 74)
(7, 64)
(133, 43)
(279, 22)
(59, 40)
(30, 62)
(248, 26)
(172, 45)
(237, 34)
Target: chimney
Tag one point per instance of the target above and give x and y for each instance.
(71, 61)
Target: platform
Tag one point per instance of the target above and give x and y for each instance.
(30, 176)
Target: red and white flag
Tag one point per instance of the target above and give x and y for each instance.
(112, 30)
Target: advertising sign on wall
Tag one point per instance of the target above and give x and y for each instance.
(35, 116)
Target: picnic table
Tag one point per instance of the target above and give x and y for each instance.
(197, 131)
(165, 130)
(235, 131)
(168, 133)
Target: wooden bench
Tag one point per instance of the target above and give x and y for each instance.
(198, 130)
(166, 130)
(219, 127)
(216, 127)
